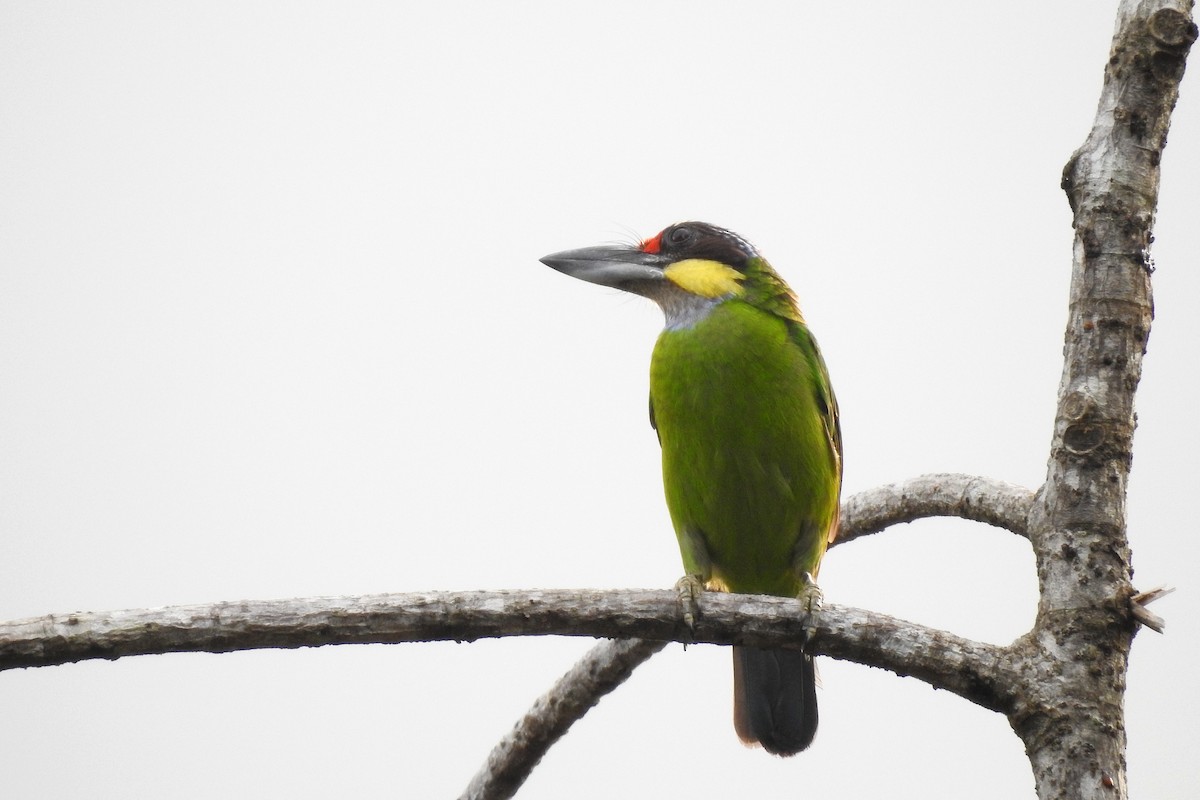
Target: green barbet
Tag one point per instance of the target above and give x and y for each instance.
(751, 445)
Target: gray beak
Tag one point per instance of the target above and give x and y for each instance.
(618, 267)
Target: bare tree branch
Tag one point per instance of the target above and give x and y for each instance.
(605, 667)
(1004, 505)
(313, 622)
(222, 627)
(968, 668)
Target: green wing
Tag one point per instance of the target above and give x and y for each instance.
(826, 400)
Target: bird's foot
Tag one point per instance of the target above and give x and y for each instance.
(810, 596)
(689, 588)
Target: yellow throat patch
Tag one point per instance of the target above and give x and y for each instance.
(704, 277)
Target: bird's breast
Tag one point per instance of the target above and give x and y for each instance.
(745, 454)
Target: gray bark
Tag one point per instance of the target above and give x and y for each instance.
(950, 662)
(1070, 693)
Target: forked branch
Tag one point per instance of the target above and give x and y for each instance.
(945, 494)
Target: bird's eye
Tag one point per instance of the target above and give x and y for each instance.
(678, 237)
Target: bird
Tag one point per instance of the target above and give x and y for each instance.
(751, 443)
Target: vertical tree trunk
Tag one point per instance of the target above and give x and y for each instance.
(1072, 666)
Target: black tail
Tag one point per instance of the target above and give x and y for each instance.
(774, 699)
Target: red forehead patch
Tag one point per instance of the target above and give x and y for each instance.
(653, 244)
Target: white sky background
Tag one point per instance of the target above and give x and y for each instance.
(272, 324)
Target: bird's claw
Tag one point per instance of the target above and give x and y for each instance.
(810, 597)
(810, 594)
(689, 589)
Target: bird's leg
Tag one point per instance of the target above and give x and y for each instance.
(689, 589)
(698, 563)
(810, 594)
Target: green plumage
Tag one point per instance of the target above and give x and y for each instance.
(743, 411)
(751, 447)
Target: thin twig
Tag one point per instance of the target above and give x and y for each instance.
(1144, 615)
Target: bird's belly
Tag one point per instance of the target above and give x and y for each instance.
(751, 508)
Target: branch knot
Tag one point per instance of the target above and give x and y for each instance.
(1172, 28)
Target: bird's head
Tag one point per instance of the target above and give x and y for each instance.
(687, 268)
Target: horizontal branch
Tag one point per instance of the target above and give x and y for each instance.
(221, 627)
(994, 502)
(946, 661)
